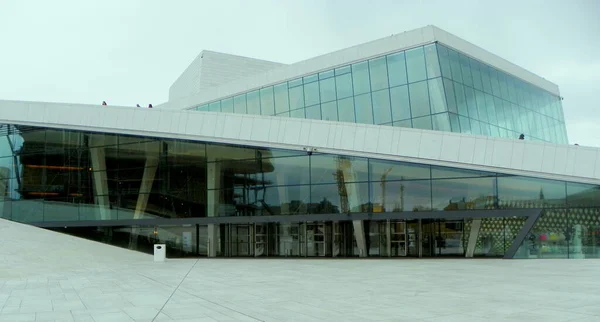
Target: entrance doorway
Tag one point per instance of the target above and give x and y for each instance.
(436, 238)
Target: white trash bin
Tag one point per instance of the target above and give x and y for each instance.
(160, 252)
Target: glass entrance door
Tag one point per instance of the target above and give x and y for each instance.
(436, 237)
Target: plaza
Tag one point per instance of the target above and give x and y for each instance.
(55, 277)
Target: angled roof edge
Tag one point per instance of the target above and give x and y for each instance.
(513, 157)
(374, 48)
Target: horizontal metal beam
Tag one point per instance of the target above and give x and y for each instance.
(441, 215)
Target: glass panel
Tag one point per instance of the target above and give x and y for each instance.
(419, 99)
(441, 122)
(381, 107)
(415, 65)
(463, 194)
(288, 200)
(465, 124)
(461, 101)
(327, 88)
(396, 69)
(491, 110)
(523, 192)
(267, 105)
(471, 102)
(360, 78)
(481, 107)
(548, 238)
(364, 109)
(239, 104)
(455, 65)
(329, 199)
(433, 66)
(281, 98)
(476, 74)
(313, 112)
(343, 70)
(438, 172)
(343, 85)
(437, 96)
(326, 74)
(403, 123)
(310, 78)
(465, 70)
(329, 111)
(311, 94)
(296, 97)
(583, 195)
(253, 103)
(346, 110)
(454, 123)
(397, 196)
(378, 72)
(422, 123)
(331, 168)
(299, 113)
(485, 78)
(400, 103)
(475, 127)
(444, 61)
(295, 82)
(381, 170)
(450, 97)
(215, 107)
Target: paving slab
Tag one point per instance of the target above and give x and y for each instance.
(48, 276)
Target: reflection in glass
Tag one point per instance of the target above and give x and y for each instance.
(396, 69)
(419, 99)
(381, 107)
(400, 103)
(415, 65)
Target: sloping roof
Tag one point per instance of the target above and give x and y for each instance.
(527, 158)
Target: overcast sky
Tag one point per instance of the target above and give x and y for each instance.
(130, 51)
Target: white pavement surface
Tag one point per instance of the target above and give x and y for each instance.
(46, 276)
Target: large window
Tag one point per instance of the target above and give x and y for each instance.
(59, 175)
(420, 83)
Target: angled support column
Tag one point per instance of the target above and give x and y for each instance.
(531, 220)
(352, 192)
(150, 168)
(475, 228)
(213, 185)
(98, 158)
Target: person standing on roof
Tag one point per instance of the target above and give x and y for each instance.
(104, 103)
(149, 105)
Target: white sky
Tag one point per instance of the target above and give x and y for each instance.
(130, 51)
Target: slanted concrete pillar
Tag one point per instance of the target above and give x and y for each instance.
(98, 158)
(353, 201)
(472, 242)
(146, 186)
(213, 184)
(359, 235)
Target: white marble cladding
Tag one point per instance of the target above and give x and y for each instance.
(396, 42)
(528, 158)
(211, 69)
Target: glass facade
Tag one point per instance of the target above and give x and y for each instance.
(428, 87)
(49, 175)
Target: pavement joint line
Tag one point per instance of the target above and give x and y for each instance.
(175, 290)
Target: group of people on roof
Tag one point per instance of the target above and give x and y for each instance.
(136, 105)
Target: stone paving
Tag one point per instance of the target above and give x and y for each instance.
(47, 276)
